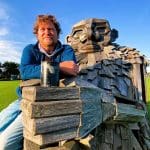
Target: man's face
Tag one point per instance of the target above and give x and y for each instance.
(47, 34)
(90, 35)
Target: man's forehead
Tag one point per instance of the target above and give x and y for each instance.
(46, 23)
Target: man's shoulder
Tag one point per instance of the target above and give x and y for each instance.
(67, 47)
(31, 48)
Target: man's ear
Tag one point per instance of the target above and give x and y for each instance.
(69, 39)
(114, 35)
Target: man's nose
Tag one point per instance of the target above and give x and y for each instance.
(47, 31)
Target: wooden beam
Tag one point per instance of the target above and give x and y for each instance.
(51, 108)
(51, 124)
(48, 138)
(37, 93)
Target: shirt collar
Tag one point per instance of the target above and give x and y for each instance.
(58, 48)
(43, 51)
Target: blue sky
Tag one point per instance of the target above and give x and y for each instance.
(130, 18)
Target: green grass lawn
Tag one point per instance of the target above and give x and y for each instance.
(7, 92)
(147, 85)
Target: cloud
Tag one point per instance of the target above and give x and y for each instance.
(4, 31)
(10, 51)
(3, 12)
(5, 19)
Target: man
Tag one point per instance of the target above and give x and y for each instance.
(49, 48)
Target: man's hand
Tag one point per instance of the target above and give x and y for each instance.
(69, 67)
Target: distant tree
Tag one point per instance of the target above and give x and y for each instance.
(1, 72)
(10, 68)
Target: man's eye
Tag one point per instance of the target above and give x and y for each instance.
(42, 29)
(51, 30)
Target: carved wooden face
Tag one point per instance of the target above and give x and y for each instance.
(90, 35)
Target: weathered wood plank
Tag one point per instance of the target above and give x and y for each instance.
(31, 82)
(104, 146)
(29, 145)
(50, 124)
(37, 93)
(117, 142)
(135, 144)
(108, 111)
(126, 145)
(48, 138)
(109, 134)
(91, 110)
(125, 135)
(51, 108)
(128, 113)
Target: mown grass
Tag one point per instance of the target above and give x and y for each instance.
(147, 83)
(7, 92)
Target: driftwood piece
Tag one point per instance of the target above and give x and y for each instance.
(51, 108)
(48, 93)
(51, 124)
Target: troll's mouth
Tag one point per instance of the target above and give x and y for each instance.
(90, 46)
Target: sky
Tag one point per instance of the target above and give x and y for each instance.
(130, 18)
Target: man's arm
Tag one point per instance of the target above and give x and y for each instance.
(29, 67)
(69, 68)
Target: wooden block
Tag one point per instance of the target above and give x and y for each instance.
(128, 113)
(109, 134)
(51, 108)
(108, 111)
(104, 146)
(117, 141)
(29, 145)
(135, 143)
(50, 124)
(126, 144)
(31, 82)
(37, 93)
(48, 138)
(124, 133)
(91, 110)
